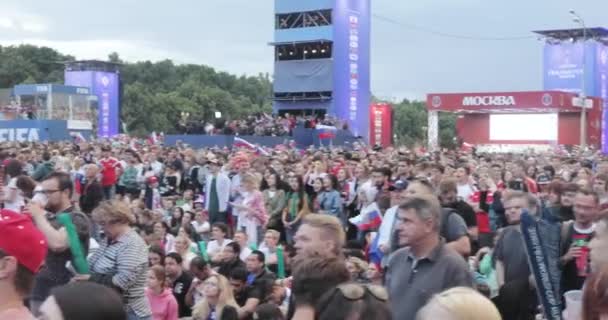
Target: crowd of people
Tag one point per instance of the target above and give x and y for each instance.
(102, 231)
(257, 125)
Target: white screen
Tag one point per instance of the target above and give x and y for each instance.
(520, 127)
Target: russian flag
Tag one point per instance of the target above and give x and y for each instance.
(153, 139)
(466, 147)
(242, 143)
(78, 137)
(375, 255)
(326, 132)
(369, 219)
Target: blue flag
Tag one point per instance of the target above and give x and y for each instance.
(543, 264)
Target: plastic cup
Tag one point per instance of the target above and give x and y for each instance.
(574, 301)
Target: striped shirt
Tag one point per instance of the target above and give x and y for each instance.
(126, 259)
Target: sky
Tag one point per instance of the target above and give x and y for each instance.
(409, 57)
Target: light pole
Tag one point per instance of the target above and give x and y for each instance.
(583, 139)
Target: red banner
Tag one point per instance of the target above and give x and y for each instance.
(530, 101)
(381, 124)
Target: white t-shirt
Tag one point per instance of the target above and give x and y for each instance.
(18, 201)
(202, 229)
(214, 248)
(465, 191)
(245, 252)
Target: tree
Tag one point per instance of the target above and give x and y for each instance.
(156, 93)
(410, 125)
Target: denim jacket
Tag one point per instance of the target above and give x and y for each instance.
(331, 203)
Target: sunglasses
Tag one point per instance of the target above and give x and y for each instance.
(355, 291)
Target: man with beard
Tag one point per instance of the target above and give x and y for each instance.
(448, 196)
(52, 199)
(381, 179)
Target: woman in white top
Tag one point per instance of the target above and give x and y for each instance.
(13, 197)
(219, 232)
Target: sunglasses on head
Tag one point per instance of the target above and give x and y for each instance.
(355, 291)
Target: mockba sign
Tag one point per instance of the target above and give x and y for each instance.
(488, 101)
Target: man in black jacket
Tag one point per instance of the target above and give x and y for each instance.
(230, 259)
(92, 192)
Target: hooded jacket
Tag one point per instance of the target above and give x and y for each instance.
(163, 305)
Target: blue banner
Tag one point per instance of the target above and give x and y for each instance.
(543, 263)
(351, 55)
(303, 138)
(106, 86)
(602, 91)
(566, 63)
(34, 130)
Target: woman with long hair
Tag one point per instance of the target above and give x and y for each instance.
(188, 227)
(317, 189)
(296, 209)
(218, 300)
(156, 256)
(330, 201)
(357, 269)
(167, 240)
(161, 299)
(176, 219)
(274, 200)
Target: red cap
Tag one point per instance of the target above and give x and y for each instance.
(152, 179)
(22, 240)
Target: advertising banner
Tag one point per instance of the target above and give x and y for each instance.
(563, 67)
(381, 125)
(352, 64)
(602, 90)
(105, 85)
(33, 130)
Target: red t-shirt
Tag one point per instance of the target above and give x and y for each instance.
(108, 171)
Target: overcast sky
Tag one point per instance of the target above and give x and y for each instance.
(232, 35)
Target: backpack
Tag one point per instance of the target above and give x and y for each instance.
(445, 218)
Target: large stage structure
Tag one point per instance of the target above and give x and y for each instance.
(322, 60)
(103, 79)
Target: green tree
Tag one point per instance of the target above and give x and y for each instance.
(410, 124)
